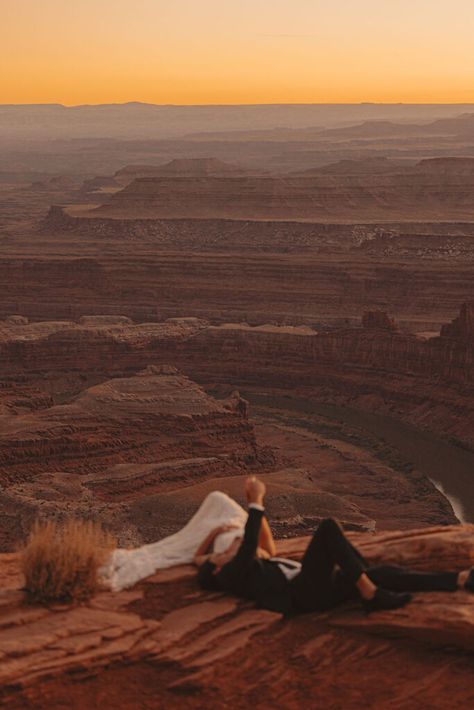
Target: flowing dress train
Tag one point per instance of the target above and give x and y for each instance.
(124, 568)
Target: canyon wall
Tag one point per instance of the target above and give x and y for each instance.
(421, 286)
(374, 366)
(96, 422)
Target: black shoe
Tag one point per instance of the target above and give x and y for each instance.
(469, 583)
(385, 599)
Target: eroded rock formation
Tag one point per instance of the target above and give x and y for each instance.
(158, 420)
(462, 328)
(157, 417)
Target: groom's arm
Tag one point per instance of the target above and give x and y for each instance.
(255, 492)
(248, 546)
(252, 528)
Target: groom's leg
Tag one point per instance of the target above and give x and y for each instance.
(399, 579)
(329, 547)
(317, 586)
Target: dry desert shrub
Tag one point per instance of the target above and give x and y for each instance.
(61, 562)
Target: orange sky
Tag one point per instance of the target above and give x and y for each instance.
(236, 51)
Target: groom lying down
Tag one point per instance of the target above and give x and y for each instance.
(332, 570)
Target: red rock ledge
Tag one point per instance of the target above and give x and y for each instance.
(167, 644)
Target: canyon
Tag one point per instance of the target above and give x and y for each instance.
(115, 448)
(183, 305)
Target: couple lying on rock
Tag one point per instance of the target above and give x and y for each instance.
(237, 555)
(332, 570)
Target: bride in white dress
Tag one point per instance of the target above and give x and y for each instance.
(125, 568)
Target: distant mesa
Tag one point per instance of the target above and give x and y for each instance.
(100, 184)
(462, 125)
(62, 181)
(369, 166)
(182, 167)
(368, 190)
(457, 167)
(458, 125)
(277, 135)
(379, 128)
(58, 182)
(365, 130)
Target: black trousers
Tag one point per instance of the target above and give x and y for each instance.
(331, 567)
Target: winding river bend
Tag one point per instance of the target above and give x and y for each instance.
(449, 467)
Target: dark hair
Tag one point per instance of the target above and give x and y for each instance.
(206, 577)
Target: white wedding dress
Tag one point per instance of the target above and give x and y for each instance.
(124, 568)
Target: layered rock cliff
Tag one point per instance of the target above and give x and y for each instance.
(430, 190)
(233, 270)
(427, 381)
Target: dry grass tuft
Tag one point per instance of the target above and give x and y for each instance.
(60, 562)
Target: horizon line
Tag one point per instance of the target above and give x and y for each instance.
(234, 105)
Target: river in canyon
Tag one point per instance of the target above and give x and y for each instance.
(449, 467)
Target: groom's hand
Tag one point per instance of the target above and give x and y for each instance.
(255, 490)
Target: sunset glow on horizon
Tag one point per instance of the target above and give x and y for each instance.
(228, 52)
